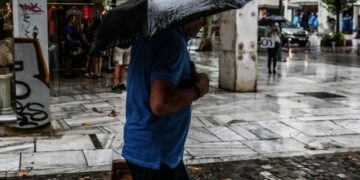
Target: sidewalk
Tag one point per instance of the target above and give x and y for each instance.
(307, 108)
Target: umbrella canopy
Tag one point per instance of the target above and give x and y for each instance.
(272, 18)
(137, 19)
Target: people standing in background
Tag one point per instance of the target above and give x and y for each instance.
(72, 45)
(297, 20)
(121, 59)
(74, 11)
(331, 24)
(347, 24)
(98, 15)
(87, 38)
(304, 20)
(313, 22)
(273, 32)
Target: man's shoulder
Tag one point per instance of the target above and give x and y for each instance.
(169, 35)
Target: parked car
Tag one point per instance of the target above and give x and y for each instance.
(289, 33)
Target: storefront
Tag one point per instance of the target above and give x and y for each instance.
(38, 61)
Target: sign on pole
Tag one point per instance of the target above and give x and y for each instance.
(267, 42)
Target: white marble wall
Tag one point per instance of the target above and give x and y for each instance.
(238, 49)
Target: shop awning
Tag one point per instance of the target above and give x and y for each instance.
(305, 2)
(274, 4)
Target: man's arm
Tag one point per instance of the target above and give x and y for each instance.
(167, 98)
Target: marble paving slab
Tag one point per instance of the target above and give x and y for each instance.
(260, 131)
(9, 162)
(265, 115)
(225, 133)
(117, 154)
(275, 146)
(350, 141)
(283, 94)
(353, 125)
(91, 121)
(243, 132)
(331, 111)
(201, 150)
(111, 141)
(99, 157)
(315, 102)
(320, 118)
(320, 128)
(53, 162)
(80, 131)
(64, 143)
(59, 124)
(16, 144)
(201, 135)
(99, 105)
(286, 131)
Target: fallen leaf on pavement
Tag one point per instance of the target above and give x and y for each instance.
(308, 147)
(96, 110)
(22, 173)
(87, 123)
(112, 113)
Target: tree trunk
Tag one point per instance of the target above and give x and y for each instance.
(338, 22)
(338, 8)
(206, 38)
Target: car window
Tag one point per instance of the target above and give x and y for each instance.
(287, 24)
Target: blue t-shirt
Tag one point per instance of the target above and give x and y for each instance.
(150, 140)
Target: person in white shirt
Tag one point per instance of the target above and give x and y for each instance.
(273, 32)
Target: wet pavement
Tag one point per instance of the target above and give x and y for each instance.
(310, 107)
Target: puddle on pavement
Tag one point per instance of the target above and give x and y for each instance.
(322, 95)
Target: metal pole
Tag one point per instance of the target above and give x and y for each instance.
(279, 57)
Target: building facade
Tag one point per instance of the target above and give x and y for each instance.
(291, 8)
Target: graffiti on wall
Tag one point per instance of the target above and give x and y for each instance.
(28, 10)
(31, 22)
(32, 85)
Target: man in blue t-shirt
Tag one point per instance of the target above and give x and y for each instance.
(161, 85)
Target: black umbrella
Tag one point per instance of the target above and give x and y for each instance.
(137, 19)
(272, 19)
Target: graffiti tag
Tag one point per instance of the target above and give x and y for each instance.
(30, 113)
(34, 8)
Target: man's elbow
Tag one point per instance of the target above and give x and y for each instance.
(158, 108)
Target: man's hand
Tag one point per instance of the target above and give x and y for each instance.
(202, 83)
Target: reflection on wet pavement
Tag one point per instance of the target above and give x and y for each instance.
(308, 107)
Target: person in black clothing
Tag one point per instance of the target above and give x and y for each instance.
(72, 45)
(304, 20)
(87, 38)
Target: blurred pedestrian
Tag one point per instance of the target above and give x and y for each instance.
(273, 32)
(72, 46)
(121, 59)
(87, 38)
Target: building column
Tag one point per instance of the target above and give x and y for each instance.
(238, 49)
(355, 18)
(5, 94)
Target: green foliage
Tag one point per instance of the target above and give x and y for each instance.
(344, 5)
(333, 37)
